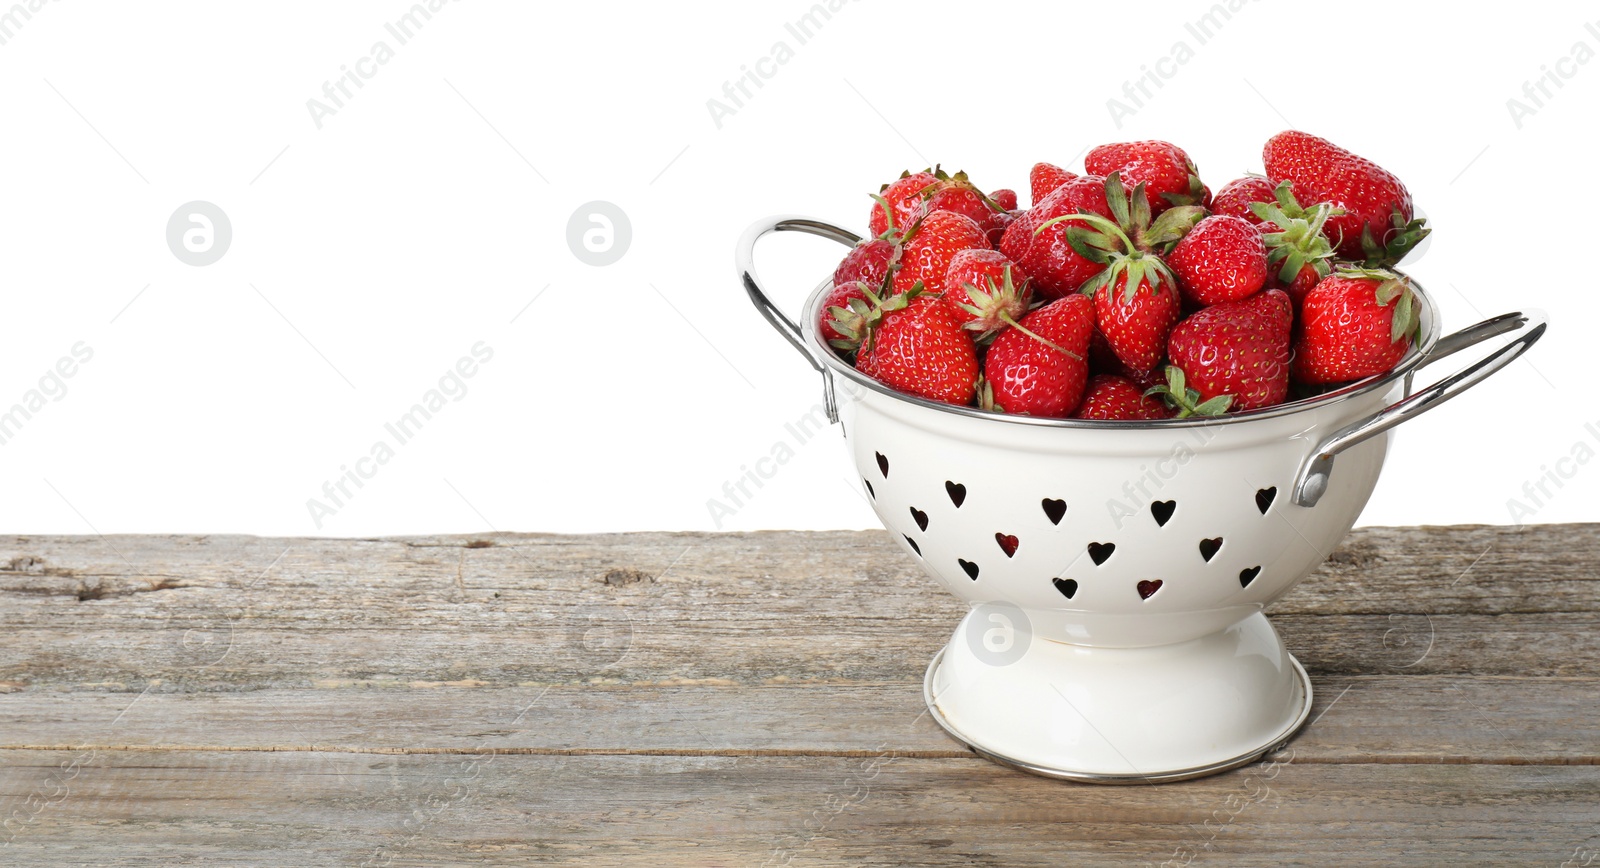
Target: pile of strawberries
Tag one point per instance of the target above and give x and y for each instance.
(1132, 292)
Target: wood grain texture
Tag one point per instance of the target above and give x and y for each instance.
(695, 699)
(326, 809)
(1367, 719)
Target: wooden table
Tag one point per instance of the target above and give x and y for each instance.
(740, 700)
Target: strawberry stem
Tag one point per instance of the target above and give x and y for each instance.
(1094, 220)
(1006, 317)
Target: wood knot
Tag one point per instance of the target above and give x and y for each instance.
(1356, 555)
(627, 576)
(25, 564)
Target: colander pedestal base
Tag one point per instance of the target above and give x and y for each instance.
(1122, 715)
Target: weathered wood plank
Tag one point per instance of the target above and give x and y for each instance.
(156, 808)
(217, 697)
(1436, 570)
(239, 613)
(1412, 719)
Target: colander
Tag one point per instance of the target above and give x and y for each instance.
(1116, 572)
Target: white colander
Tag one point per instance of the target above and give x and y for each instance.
(1117, 571)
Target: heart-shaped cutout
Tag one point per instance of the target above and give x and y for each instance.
(1264, 498)
(1162, 511)
(970, 567)
(1148, 588)
(920, 517)
(1054, 509)
(957, 492)
(1210, 547)
(1099, 552)
(869, 488)
(1248, 576)
(914, 547)
(883, 464)
(1008, 543)
(1067, 587)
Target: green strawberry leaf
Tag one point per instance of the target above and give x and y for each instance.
(1406, 323)
(1117, 198)
(1172, 225)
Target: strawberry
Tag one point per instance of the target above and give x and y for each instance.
(1112, 397)
(996, 228)
(1037, 367)
(1238, 349)
(914, 345)
(899, 204)
(931, 244)
(1055, 268)
(1166, 171)
(1135, 295)
(1271, 305)
(840, 320)
(1043, 179)
(956, 193)
(1135, 308)
(1235, 197)
(1298, 252)
(1221, 259)
(1300, 285)
(989, 289)
(1355, 323)
(997, 223)
(1376, 225)
(867, 261)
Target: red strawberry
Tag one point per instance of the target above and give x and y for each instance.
(989, 289)
(900, 203)
(1272, 305)
(1221, 259)
(1301, 285)
(868, 261)
(1038, 367)
(840, 321)
(1135, 295)
(1298, 252)
(916, 347)
(1043, 180)
(1054, 267)
(997, 226)
(1238, 348)
(931, 244)
(1235, 197)
(1355, 323)
(1135, 307)
(1168, 174)
(1376, 225)
(956, 193)
(1112, 397)
(1005, 198)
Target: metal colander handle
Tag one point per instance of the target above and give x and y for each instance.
(744, 261)
(1527, 327)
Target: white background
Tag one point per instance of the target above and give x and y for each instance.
(430, 210)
